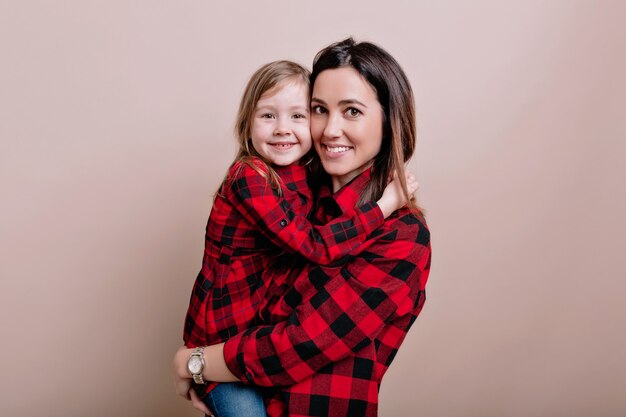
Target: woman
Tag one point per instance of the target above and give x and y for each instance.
(332, 332)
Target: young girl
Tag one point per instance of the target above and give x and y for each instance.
(259, 212)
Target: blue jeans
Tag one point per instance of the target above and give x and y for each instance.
(234, 399)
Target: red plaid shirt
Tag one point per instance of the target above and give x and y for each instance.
(338, 328)
(248, 227)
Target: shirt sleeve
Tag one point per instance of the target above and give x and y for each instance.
(349, 307)
(251, 195)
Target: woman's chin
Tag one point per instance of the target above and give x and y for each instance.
(334, 171)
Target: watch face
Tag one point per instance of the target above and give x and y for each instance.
(195, 365)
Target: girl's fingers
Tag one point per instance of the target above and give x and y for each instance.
(411, 182)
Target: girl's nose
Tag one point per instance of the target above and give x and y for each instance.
(281, 129)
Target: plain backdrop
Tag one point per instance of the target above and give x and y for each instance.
(116, 125)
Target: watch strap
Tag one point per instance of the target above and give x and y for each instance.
(198, 352)
(198, 379)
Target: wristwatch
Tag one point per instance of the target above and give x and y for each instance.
(195, 365)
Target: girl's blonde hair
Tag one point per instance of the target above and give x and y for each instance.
(267, 78)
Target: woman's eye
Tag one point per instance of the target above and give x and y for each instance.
(318, 110)
(353, 112)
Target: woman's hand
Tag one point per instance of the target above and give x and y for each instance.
(198, 404)
(182, 380)
(393, 196)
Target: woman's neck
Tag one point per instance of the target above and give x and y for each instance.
(339, 181)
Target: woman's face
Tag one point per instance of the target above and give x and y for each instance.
(346, 123)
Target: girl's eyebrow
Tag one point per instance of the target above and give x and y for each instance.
(293, 106)
(341, 103)
(268, 107)
(300, 109)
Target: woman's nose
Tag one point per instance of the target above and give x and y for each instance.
(333, 126)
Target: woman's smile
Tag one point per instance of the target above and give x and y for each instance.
(336, 151)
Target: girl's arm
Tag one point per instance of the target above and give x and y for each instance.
(250, 193)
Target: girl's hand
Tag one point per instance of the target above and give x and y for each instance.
(393, 196)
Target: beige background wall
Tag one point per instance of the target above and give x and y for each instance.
(115, 128)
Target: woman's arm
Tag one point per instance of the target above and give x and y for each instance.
(183, 381)
(251, 194)
(350, 307)
(215, 366)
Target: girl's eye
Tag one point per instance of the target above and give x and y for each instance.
(299, 116)
(267, 116)
(353, 112)
(318, 110)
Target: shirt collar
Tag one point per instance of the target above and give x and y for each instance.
(293, 176)
(347, 196)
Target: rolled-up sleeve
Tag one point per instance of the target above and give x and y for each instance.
(251, 194)
(345, 310)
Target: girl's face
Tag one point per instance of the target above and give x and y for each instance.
(346, 123)
(280, 128)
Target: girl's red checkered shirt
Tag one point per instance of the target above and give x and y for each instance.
(249, 226)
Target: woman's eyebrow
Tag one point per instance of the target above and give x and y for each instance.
(351, 101)
(341, 102)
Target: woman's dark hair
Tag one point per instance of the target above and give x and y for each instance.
(394, 93)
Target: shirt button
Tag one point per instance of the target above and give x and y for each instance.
(283, 223)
